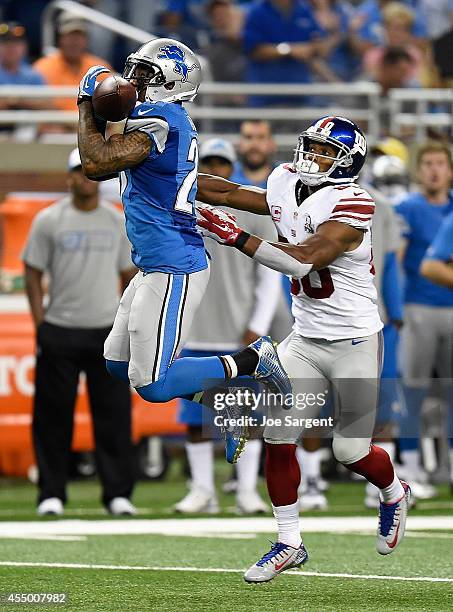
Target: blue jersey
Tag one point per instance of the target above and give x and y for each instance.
(238, 176)
(158, 194)
(442, 247)
(422, 222)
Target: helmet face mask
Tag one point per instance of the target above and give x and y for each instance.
(341, 134)
(164, 70)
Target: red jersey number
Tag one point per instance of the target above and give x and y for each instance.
(318, 293)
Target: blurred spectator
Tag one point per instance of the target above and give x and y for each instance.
(398, 24)
(185, 20)
(249, 310)
(14, 67)
(280, 40)
(69, 63)
(367, 28)
(396, 69)
(428, 307)
(437, 15)
(224, 49)
(256, 149)
(29, 14)
(340, 60)
(141, 14)
(15, 70)
(80, 242)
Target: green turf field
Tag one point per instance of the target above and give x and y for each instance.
(201, 569)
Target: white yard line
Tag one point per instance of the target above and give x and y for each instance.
(219, 570)
(199, 526)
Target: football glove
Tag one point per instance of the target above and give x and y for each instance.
(89, 83)
(219, 225)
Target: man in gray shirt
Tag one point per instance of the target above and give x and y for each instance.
(80, 244)
(237, 308)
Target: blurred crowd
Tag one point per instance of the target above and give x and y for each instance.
(394, 43)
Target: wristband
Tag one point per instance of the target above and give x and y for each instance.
(241, 240)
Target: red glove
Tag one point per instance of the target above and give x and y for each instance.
(218, 225)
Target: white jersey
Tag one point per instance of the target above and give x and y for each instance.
(340, 301)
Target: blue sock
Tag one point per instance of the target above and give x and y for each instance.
(184, 377)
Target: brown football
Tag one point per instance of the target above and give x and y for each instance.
(114, 98)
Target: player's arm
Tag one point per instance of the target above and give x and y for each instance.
(330, 240)
(439, 272)
(101, 157)
(220, 192)
(35, 293)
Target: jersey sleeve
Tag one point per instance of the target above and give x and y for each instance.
(38, 248)
(442, 247)
(353, 206)
(145, 119)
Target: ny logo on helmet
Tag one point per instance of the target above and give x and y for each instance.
(172, 52)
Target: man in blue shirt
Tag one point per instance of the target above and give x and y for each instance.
(428, 331)
(437, 267)
(14, 68)
(279, 40)
(157, 158)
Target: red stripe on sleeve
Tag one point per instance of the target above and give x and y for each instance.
(358, 208)
(356, 200)
(342, 215)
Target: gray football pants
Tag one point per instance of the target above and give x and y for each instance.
(347, 372)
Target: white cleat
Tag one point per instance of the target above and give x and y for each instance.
(198, 501)
(392, 522)
(280, 558)
(371, 496)
(121, 506)
(423, 490)
(50, 506)
(250, 502)
(312, 498)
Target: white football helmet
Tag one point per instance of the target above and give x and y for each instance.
(165, 69)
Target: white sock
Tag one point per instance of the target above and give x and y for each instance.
(248, 465)
(310, 463)
(201, 463)
(390, 447)
(232, 364)
(411, 461)
(393, 493)
(288, 524)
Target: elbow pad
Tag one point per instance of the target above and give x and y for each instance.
(276, 259)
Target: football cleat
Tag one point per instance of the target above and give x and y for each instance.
(198, 501)
(392, 522)
(280, 558)
(50, 506)
(312, 498)
(121, 506)
(250, 502)
(235, 428)
(270, 370)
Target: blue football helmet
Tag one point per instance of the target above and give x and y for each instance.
(348, 140)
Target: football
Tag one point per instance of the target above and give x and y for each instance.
(114, 98)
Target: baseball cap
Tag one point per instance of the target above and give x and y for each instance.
(74, 161)
(10, 31)
(67, 23)
(392, 146)
(217, 147)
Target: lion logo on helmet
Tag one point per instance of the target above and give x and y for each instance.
(175, 53)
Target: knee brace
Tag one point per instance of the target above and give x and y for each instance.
(350, 450)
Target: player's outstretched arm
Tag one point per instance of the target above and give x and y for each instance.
(102, 157)
(220, 192)
(329, 242)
